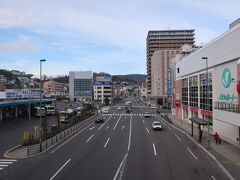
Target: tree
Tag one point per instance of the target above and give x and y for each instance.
(18, 84)
(106, 101)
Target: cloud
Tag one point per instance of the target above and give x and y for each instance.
(22, 44)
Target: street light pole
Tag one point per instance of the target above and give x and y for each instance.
(208, 105)
(40, 140)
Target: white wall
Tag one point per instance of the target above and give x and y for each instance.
(224, 48)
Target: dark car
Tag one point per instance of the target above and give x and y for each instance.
(100, 119)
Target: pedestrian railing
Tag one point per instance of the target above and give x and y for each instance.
(231, 107)
(37, 148)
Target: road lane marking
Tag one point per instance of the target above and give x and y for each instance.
(123, 127)
(147, 130)
(8, 160)
(120, 166)
(1, 168)
(213, 177)
(105, 145)
(107, 127)
(104, 123)
(178, 137)
(154, 149)
(89, 138)
(71, 138)
(117, 123)
(130, 132)
(2, 162)
(192, 153)
(60, 169)
(143, 121)
(3, 165)
(92, 128)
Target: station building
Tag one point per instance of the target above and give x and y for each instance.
(212, 96)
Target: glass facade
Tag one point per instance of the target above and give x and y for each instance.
(206, 99)
(185, 91)
(193, 91)
(83, 87)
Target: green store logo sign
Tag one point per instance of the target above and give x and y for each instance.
(226, 77)
(227, 97)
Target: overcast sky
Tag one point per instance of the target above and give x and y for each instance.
(99, 35)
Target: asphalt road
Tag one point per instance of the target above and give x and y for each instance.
(123, 147)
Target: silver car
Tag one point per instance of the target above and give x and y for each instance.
(156, 125)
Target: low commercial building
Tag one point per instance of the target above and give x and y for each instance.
(103, 88)
(208, 83)
(53, 88)
(18, 94)
(81, 85)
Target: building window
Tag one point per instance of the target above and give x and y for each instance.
(193, 91)
(206, 99)
(185, 91)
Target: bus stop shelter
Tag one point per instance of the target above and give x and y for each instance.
(199, 122)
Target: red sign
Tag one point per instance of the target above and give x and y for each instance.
(193, 109)
(206, 113)
(238, 87)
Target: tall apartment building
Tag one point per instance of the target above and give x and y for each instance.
(169, 42)
(81, 85)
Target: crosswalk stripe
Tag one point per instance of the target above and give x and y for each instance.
(8, 160)
(1, 168)
(3, 165)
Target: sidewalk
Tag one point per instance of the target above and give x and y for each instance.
(228, 155)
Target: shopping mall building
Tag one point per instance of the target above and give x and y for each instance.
(212, 96)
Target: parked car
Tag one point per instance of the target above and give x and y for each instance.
(156, 125)
(100, 119)
(147, 115)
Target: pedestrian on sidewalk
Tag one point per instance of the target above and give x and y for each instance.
(216, 137)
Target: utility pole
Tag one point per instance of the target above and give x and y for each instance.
(208, 102)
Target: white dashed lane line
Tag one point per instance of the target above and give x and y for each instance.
(154, 150)
(192, 154)
(90, 138)
(147, 130)
(105, 145)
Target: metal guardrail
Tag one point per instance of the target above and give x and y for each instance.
(227, 107)
(37, 148)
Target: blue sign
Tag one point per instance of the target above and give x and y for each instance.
(102, 83)
(169, 82)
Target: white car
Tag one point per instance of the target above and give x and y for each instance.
(147, 115)
(105, 111)
(156, 125)
(119, 108)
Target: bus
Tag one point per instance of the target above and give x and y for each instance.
(50, 109)
(66, 115)
(37, 111)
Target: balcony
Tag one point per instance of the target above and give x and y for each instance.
(231, 107)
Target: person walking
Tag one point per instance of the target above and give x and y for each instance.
(216, 137)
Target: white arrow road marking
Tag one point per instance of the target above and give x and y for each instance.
(92, 128)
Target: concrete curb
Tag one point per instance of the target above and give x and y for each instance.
(10, 150)
(204, 149)
(24, 157)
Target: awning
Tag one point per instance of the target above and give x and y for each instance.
(198, 121)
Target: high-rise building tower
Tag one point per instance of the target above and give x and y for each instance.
(169, 41)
